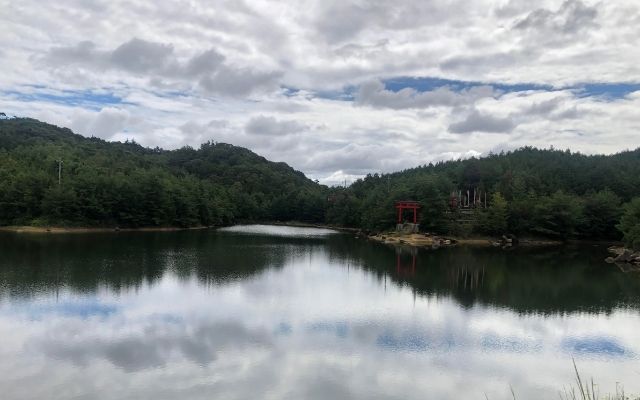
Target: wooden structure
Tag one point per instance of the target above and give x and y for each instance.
(472, 198)
(407, 205)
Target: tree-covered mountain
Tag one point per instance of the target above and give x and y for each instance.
(125, 184)
(549, 193)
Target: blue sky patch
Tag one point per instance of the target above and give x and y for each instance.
(428, 84)
(82, 308)
(595, 346)
(345, 94)
(96, 100)
(75, 98)
(508, 344)
(339, 328)
(410, 341)
(283, 329)
(608, 91)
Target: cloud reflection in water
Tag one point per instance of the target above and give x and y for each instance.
(312, 322)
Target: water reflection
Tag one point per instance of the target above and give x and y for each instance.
(315, 316)
(558, 279)
(528, 280)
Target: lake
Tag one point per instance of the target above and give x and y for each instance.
(266, 312)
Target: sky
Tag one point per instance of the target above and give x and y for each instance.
(336, 89)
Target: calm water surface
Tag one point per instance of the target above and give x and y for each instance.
(260, 312)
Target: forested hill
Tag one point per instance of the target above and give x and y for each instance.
(125, 184)
(549, 193)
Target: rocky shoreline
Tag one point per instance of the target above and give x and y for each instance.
(412, 239)
(434, 241)
(626, 259)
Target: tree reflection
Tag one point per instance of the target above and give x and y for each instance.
(529, 280)
(536, 280)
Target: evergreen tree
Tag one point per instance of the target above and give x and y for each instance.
(494, 220)
(630, 224)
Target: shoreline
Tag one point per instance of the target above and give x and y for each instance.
(309, 225)
(101, 229)
(473, 241)
(480, 241)
(76, 230)
(526, 242)
(422, 241)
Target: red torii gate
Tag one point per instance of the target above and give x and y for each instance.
(408, 205)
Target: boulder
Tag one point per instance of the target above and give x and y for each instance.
(617, 250)
(625, 256)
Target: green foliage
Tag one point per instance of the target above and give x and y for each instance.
(602, 211)
(532, 192)
(125, 184)
(550, 193)
(630, 224)
(558, 215)
(495, 220)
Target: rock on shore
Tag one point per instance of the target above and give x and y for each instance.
(413, 239)
(623, 255)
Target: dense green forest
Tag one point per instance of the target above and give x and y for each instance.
(548, 193)
(124, 184)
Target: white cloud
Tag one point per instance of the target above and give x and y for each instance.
(374, 93)
(103, 124)
(206, 70)
(476, 121)
(188, 72)
(571, 17)
(269, 126)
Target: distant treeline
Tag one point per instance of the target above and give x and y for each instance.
(532, 192)
(124, 184)
(548, 193)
